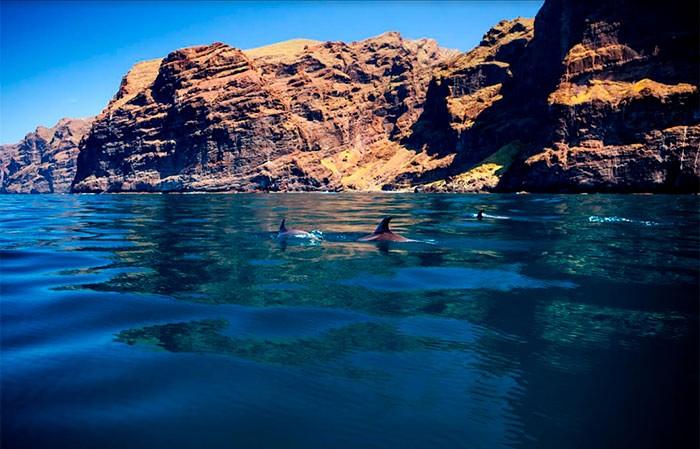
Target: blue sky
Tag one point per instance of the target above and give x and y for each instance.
(66, 58)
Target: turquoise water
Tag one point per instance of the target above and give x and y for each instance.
(168, 321)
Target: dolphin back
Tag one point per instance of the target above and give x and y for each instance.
(383, 226)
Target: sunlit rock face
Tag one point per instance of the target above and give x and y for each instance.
(462, 89)
(45, 160)
(604, 97)
(466, 85)
(623, 114)
(299, 115)
(620, 110)
(590, 96)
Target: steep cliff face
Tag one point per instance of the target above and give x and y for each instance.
(603, 98)
(623, 115)
(462, 89)
(590, 96)
(466, 85)
(45, 160)
(300, 115)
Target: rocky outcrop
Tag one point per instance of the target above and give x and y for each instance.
(468, 84)
(603, 98)
(462, 89)
(664, 161)
(45, 160)
(300, 115)
(624, 113)
(590, 96)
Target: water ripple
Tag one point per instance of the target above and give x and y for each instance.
(177, 321)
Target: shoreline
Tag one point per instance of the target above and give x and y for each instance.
(352, 192)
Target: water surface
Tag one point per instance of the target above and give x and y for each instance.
(167, 321)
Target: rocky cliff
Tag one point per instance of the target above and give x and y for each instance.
(300, 115)
(603, 98)
(45, 160)
(590, 96)
(462, 89)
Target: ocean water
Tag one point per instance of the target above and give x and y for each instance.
(179, 321)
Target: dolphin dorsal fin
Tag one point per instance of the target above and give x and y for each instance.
(383, 226)
(283, 228)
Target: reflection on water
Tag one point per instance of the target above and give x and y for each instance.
(179, 321)
(442, 278)
(205, 336)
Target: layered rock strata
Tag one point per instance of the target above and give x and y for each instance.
(300, 115)
(596, 96)
(45, 160)
(603, 98)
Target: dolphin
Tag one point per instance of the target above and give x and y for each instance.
(285, 233)
(384, 234)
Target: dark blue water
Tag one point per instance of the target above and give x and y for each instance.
(169, 321)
